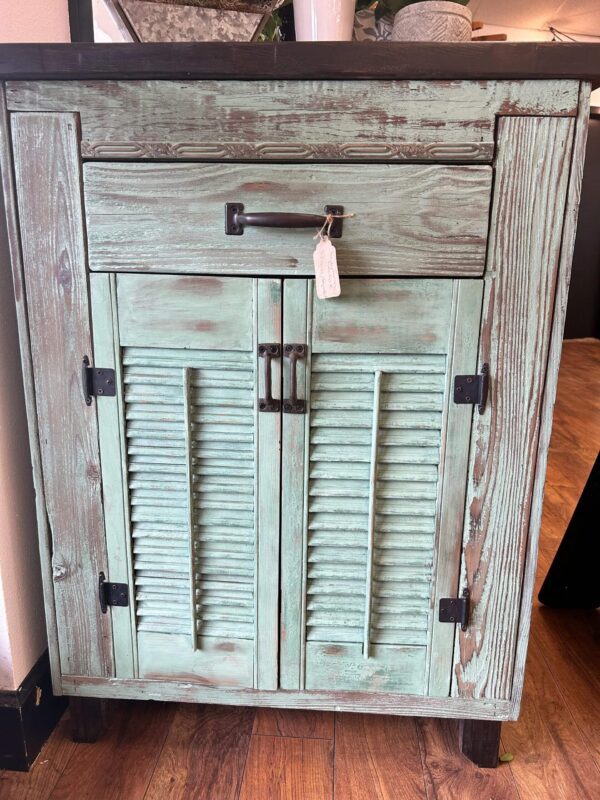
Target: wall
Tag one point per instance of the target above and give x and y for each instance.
(22, 629)
(34, 21)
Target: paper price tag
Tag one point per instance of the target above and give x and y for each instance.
(327, 277)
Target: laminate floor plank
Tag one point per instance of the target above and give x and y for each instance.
(121, 763)
(295, 723)
(573, 658)
(451, 776)
(552, 760)
(377, 758)
(39, 783)
(204, 754)
(287, 768)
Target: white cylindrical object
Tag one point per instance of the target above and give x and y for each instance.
(433, 21)
(324, 20)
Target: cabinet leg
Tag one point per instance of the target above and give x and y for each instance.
(479, 740)
(88, 718)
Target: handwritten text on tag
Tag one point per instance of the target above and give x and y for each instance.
(326, 270)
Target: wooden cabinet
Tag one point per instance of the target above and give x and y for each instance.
(281, 490)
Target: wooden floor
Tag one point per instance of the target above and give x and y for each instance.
(167, 751)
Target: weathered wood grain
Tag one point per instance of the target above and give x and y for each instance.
(377, 758)
(111, 427)
(280, 768)
(181, 312)
(49, 195)
(267, 328)
(558, 321)
(297, 302)
(275, 120)
(18, 277)
(529, 197)
(462, 360)
(385, 316)
(217, 661)
(408, 219)
(367, 702)
(341, 666)
(203, 755)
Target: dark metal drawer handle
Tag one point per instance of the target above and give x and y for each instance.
(292, 404)
(236, 220)
(268, 352)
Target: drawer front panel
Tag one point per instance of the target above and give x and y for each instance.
(410, 219)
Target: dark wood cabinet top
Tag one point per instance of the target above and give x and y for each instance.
(301, 60)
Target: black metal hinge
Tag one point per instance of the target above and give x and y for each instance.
(456, 609)
(97, 381)
(112, 594)
(473, 389)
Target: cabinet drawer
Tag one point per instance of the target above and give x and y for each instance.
(409, 219)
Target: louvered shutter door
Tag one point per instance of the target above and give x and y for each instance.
(367, 535)
(188, 379)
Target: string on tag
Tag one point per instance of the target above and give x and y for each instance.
(329, 218)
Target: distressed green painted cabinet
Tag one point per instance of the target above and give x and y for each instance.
(286, 486)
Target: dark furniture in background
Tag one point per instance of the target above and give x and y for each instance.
(572, 580)
(583, 310)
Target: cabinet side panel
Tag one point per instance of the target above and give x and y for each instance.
(532, 173)
(12, 227)
(560, 307)
(49, 199)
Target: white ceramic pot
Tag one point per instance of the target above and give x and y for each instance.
(324, 20)
(433, 21)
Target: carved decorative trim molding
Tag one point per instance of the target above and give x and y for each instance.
(273, 151)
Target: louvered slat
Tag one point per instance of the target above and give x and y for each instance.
(219, 453)
(411, 396)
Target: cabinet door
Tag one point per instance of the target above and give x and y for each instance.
(373, 483)
(190, 471)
